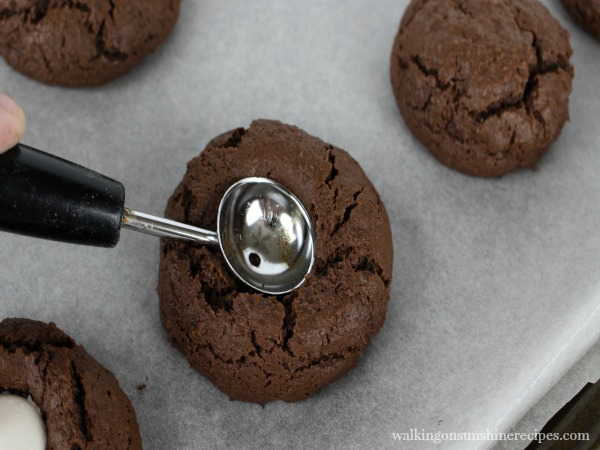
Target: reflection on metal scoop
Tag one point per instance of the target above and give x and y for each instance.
(264, 231)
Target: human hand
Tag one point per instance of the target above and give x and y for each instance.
(12, 122)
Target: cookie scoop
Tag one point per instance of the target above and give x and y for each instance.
(264, 232)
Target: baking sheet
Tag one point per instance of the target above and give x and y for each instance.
(496, 289)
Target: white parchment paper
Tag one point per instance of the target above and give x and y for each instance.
(496, 289)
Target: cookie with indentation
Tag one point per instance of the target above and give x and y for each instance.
(257, 347)
(586, 13)
(483, 85)
(83, 42)
(81, 402)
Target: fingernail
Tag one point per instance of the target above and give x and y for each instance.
(8, 104)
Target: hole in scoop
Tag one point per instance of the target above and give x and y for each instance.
(254, 259)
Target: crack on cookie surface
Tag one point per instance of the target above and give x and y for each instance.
(236, 138)
(347, 211)
(79, 399)
(111, 54)
(257, 348)
(40, 8)
(429, 72)
(370, 265)
(462, 7)
(289, 320)
(216, 284)
(326, 359)
(525, 99)
(333, 172)
(111, 10)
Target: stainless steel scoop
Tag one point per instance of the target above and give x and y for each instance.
(263, 230)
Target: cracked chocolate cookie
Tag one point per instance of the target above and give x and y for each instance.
(586, 13)
(83, 42)
(483, 85)
(257, 347)
(81, 402)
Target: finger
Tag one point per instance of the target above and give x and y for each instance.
(12, 122)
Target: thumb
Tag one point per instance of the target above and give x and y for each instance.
(12, 122)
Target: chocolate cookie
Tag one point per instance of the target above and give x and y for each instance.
(84, 42)
(484, 85)
(256, 347)
(81, 402)
(586, 13)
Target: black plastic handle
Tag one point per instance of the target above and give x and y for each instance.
(47, 197)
